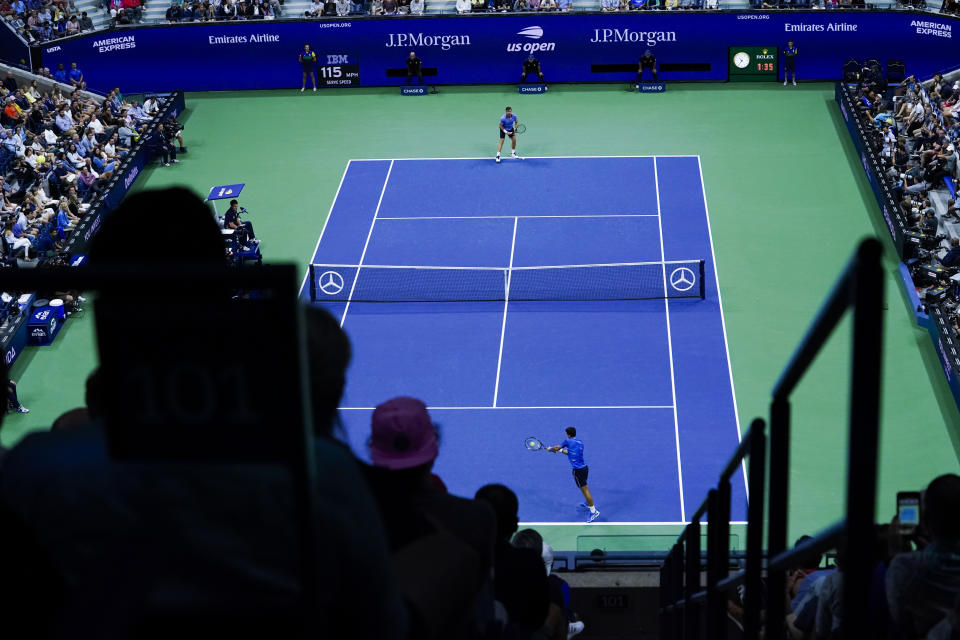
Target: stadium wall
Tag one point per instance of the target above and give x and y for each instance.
(690, 46)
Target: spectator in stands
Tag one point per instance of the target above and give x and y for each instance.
(416, 7)
(343, 7)
(9, 82)
(478, 6)
(86, 24)
(376, 7)
(329, 8)
(174, 12)
(609, 5)
(60, 75)
(922, 586)
(464, 6)
(801, 585)
(952, 257)
(403, 7)
(388, 7)
(73, 26)
(520, 580)
(561, 614)
(403, 445)
(209, 555)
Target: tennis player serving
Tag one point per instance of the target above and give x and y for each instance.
(508, 124)
(573, 448)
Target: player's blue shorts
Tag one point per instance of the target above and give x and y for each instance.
(580, 476)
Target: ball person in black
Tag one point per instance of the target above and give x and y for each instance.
(790, 62)
(647, 61)
(308, 65)
(414, 67)
(532, 65)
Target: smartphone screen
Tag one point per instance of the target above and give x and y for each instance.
(908, 510)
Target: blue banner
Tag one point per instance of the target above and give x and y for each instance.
(13, 50)
(490, 48)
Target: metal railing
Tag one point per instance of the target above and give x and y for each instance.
(860, 288)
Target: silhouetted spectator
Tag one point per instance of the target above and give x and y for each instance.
(403, 445)
(922, 586)
(125, 549)
(520, 581)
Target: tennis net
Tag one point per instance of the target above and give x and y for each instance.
(617, 281)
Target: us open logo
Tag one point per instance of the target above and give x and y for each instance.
(531, 33)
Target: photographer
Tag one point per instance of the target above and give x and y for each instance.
(952, 257)
(160, 142)
(173, 129)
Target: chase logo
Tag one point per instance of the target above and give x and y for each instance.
(534, 33)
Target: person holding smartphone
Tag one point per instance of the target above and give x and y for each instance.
(923, 585)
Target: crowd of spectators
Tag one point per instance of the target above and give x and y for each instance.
(915, 131)
(57, 151)
(110, 544)
(42, 20)
(215, 10)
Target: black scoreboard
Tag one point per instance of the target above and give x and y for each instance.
(338, 70)
(753, 63)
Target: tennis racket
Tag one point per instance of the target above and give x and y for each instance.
(533, 444)
(520, 128)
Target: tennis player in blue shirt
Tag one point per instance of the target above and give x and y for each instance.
(508, 125)
(573, 448)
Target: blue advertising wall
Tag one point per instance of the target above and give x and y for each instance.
(489, 48)
(13, 49)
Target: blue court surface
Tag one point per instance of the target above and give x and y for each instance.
(647, 383)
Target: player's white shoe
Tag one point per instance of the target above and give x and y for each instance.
(794, 82)
(513, 154)
(593, 516)
(784, 82)
(574, 628)
(303, 88)
(498, 158)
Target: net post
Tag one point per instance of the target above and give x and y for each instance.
(312, 276)
(703, 286)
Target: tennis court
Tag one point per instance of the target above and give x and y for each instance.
(646, 382)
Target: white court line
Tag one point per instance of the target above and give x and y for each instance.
(313, 256)
(509, 268)
(373, 222)
(526, 157)
(666, 308)
(723, 324)
(506, 304)
(618, 524)
(581, 215)
(501, 408)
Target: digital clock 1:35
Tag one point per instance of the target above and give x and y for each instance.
(752, 63)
